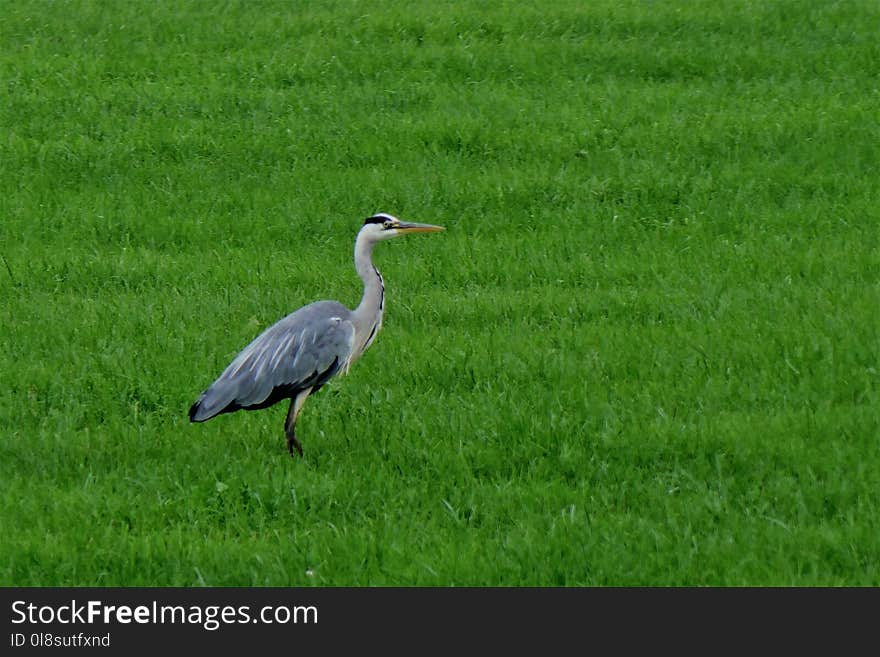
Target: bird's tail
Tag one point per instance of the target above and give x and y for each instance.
(207, 406)
(196, 412)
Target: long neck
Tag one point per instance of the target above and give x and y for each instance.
(368, 315)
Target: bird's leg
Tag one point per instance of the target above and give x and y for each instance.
(293, 443)
(296, 405)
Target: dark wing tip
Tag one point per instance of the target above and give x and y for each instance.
(192, 412)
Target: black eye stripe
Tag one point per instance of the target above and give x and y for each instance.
(383, 219)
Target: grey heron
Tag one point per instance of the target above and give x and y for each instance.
(297, 355)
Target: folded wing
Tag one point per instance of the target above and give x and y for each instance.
(303, 350)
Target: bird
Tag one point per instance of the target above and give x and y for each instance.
(300, 353)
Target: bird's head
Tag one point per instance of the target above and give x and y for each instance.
(383, 226)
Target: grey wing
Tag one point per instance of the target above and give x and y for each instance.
(303, 350)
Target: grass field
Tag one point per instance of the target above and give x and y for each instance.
(645, 351)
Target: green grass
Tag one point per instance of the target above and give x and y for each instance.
(644, 352)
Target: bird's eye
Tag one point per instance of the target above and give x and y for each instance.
(387, 224)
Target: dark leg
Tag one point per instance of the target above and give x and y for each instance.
(290, 424)
(293, 443)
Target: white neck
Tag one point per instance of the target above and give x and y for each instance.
(367, 316)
